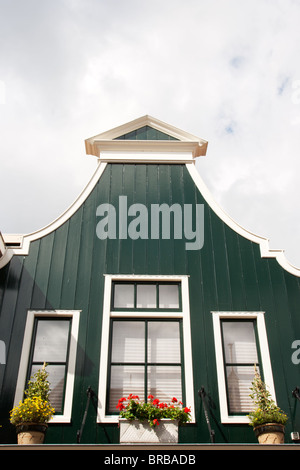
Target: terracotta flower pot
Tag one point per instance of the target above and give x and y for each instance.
(31, 433)
(270, 433)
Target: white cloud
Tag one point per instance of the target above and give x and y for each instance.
(226, 71)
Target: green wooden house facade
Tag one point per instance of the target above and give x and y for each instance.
(145, 286)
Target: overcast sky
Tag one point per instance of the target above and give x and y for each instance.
(227, 71)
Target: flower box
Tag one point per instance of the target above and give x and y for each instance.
(133, 432)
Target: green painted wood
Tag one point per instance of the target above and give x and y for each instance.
(153, 246)
(71, 261)
(146, 133)
(65, 270)
(56, 273)
(39, 296)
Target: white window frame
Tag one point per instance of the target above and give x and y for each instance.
(65, 417)
(226, 418)
(183, 314)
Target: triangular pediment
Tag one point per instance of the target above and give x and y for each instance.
(142, 134)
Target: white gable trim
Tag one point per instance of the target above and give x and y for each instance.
(25, 240)
(265, 250)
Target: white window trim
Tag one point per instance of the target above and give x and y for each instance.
(265, 357)
(32, 314)
(184, 314)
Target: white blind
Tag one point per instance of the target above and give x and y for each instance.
(168, 296)
(51, 346)
(239, 379)
(128, 346)
(126, 380)
(51, 341)
(56, 379)
(128, 342)
(164, 382)
(163, 342)
(239, 342)
(124, 296)
(240, 348)
(146, 296)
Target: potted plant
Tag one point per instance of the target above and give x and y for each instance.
(151, 421)
(33, 413)
(267, 419)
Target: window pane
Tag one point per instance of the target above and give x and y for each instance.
(124, 296)
(163, 342)
(57, 380)
(123, 381)
(164, 382)
(168, 296)
(128, 341)
(51, 341)
(239, 342)
(146, 296)
(239, 380)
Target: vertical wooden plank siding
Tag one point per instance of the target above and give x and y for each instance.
(65, 270)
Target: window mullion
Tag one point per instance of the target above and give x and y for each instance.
(135, 295)
(146, 361)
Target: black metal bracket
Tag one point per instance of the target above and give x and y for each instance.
(202, 395)
(90, 394)
(296, 393)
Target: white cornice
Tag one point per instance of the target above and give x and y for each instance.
(135, 156)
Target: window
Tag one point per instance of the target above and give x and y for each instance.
(145, 359)
(51, 337)
(51, 345)
(240, 344)
(146, 341)
(141, 295)
(240, 356)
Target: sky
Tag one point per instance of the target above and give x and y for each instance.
(227, 71)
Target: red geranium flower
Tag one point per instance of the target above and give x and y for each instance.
(132, 397)
(155, 421)
(120, 406)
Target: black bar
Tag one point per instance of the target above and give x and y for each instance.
(202, 395)
(90, 393)
(296, 393)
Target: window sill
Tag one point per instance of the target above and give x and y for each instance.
(60, 419)
(234, 420)
(114, 419)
